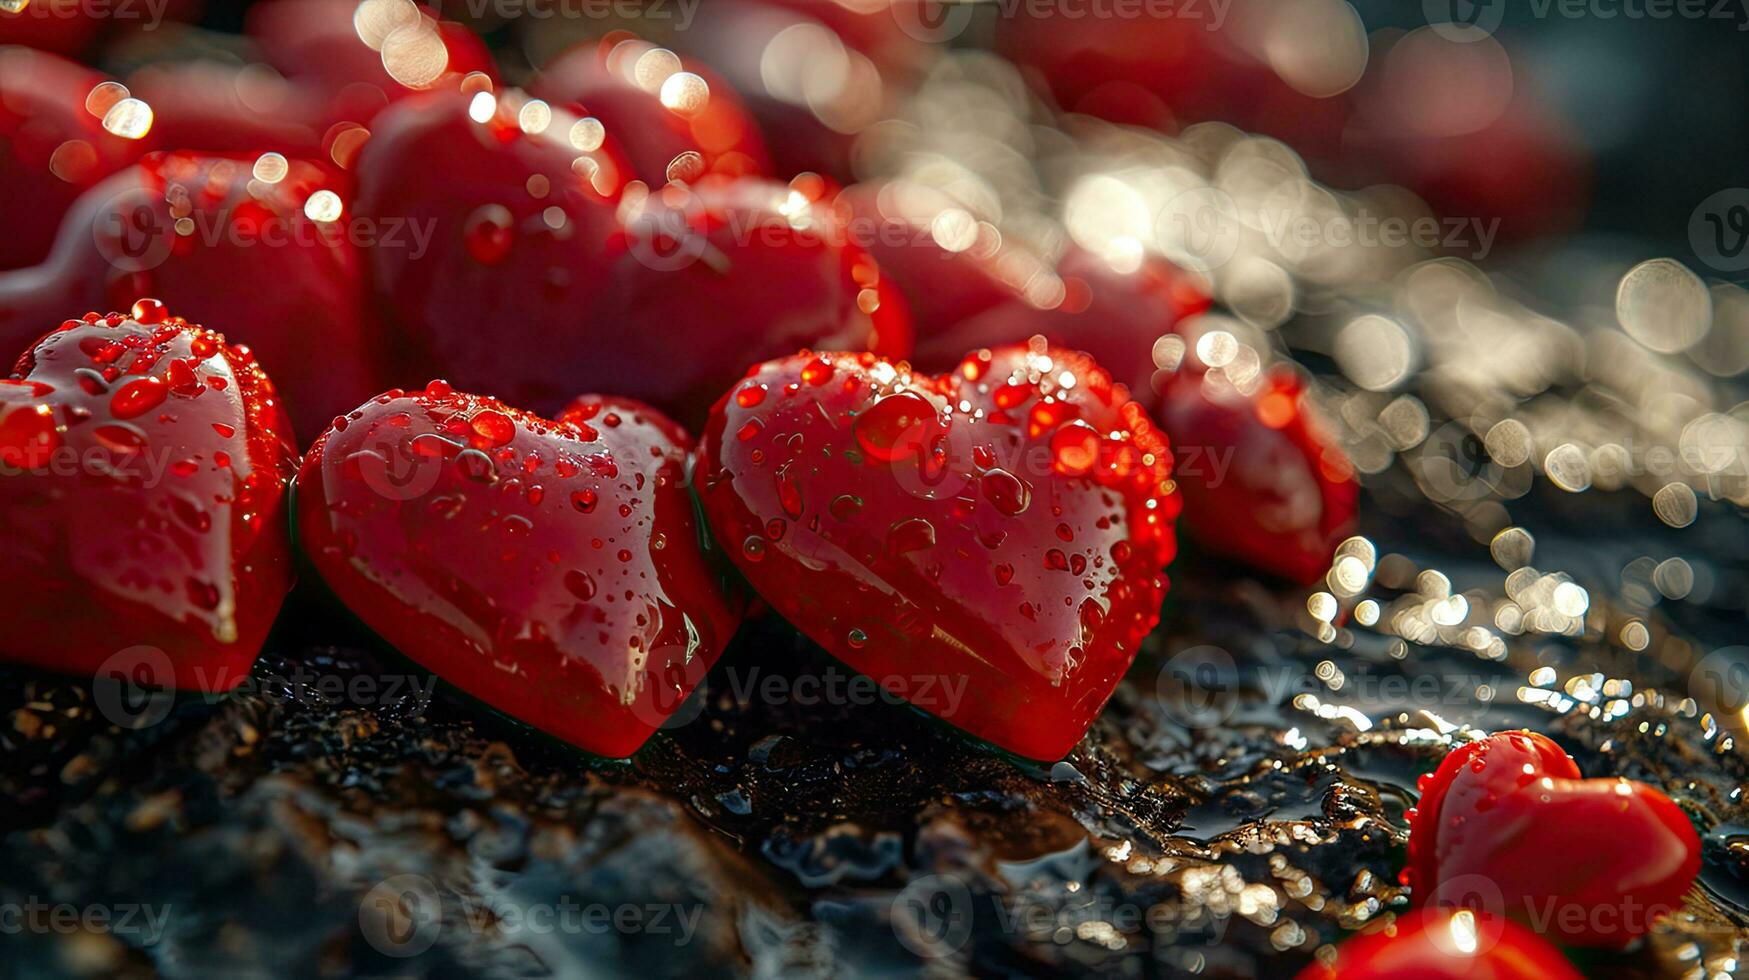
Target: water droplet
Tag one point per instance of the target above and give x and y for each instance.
(1074, 449)
(856, 639)
(896, 427)
(1006, 492)
(910, 534)
(138, 397)
(753, 549)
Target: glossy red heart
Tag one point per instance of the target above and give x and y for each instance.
(221, 245)
(1442, 944)
(358, 58)
(143, 467)
(1263, 480)
(1507, 821)
(734, 272)
(1116, 314)
(552, 569)
(675, 119)
(53, 146)
(997, 531)
(515, 201)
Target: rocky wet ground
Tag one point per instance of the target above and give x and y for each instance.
(1238, 807)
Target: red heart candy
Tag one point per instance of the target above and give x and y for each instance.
(53, 144)
(734, 272)
(222, 245)
(1507, 820)
(518, 220)
(551, 569)
(1263, 480)
(676, 120)
(1088, 304)
(143, 465)
(359, 58)
(1440, 944)
(987, 543)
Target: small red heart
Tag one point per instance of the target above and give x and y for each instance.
(210, 239)
(1263, 480)
(552, 569)
(1508, 821)
(676, 119)
(1441, 944)
(987, 544)
(143, 466)
(53, 146)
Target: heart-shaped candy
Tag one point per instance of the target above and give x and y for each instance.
(1507, 825)
(143, 467)
(987, 544)
(552, 569)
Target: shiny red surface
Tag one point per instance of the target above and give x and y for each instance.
(1425, 945)
(993, 531)
(248, 261)
(1263, 482)
(497, 280)
(942, 288)
(710, 279)
(1116, 316)
(52, 149)
(142, 498)
(654, 136)
(1595, 859)
(316, 45)
(551, 569)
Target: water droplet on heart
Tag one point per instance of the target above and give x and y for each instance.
(28, 436)
(584, 500)
(750, 396)
(580, 584)
(844, 506)
(896, 427)
(751, 429)
(753, 549)
(1007, 492)
(150, 311)
(789, 491)
(137, 397)
(492, 429)
(910, 534)
(856, 639)
(817, 371)
(1004, 573)
(488, 234)
(1074, 449)
(1056, 561)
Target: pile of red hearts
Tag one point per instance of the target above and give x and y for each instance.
(583, 262)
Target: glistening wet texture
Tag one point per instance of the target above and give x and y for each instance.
(809, 835)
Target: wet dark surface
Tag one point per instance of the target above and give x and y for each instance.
(802, 837)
